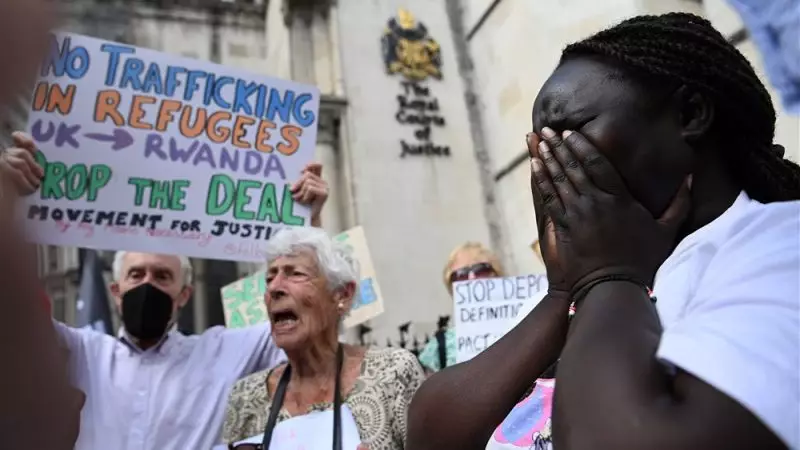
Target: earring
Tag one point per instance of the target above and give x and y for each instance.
(341, 306)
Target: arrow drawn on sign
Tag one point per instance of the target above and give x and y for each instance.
(119, 137)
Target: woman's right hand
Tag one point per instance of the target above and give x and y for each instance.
(18, 165)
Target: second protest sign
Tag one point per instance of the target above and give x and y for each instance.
(243, 300)
(486, 309)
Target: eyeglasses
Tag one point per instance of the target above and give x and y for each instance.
(480, 270)
(246, 447)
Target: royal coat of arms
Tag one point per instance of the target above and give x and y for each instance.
(409, 50)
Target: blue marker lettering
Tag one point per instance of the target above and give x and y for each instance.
(114, 51)
(208, 94)
(172, 81)
(55, 58)
(306, 117)
(152, 80)
(221, 82)
(260, 100)
(75, 62)
(81, 56)
(282, 107)
(130, 74)
(243, 91)
(191, 83)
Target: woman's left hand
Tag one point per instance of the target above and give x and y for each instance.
(600, 229)
(311, 190)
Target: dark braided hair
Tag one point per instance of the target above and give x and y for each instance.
(679, 48)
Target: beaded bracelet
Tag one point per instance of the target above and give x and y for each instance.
(584, 291)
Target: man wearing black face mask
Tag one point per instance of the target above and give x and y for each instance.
(152, 387)
(147, 312)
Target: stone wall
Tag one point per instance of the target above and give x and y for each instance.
(414, 208)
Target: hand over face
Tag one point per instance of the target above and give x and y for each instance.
(591, 225)
(18, 166)
(557, 284)
(311, 190)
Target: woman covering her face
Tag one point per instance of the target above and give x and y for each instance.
(468, 261)
(311, 282)
(670, 223)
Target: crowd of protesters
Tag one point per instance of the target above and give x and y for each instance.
(669, 225)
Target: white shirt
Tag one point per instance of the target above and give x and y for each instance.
(729, 301)
(172, 396)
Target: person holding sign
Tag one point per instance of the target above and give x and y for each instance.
(652, 165)
(329, 393)
(468, 261)
(152, 387)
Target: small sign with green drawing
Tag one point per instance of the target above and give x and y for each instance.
(243, 300)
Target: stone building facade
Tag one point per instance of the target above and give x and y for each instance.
(423, 150)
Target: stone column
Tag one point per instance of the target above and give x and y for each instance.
(200, 295)
(327, 153)
(313, 49)
(313, 43)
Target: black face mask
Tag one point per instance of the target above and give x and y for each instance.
(146, 311)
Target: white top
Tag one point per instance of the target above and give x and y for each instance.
(729, 301)
(172, 396)
(312, 431)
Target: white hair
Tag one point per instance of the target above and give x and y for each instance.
(335, 259)
(119, 259)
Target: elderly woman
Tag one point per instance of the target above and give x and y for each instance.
(311, 282)
(468, 261)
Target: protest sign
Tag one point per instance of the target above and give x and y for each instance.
(312, 431)
(369, 303)
(151, 152)
(486, 309)
(243, 301)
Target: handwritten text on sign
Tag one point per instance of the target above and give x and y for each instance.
(486, 309)
(150, 152)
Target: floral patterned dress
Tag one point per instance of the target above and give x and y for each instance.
(379, 400)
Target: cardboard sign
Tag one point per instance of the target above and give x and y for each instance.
(369, 303)
(151, 152)
(313, 431)
(486, 309)
(243, 301)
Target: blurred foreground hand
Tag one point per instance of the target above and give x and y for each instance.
(38, 407)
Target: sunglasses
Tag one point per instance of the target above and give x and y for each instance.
(246, 447)
(480, 270)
